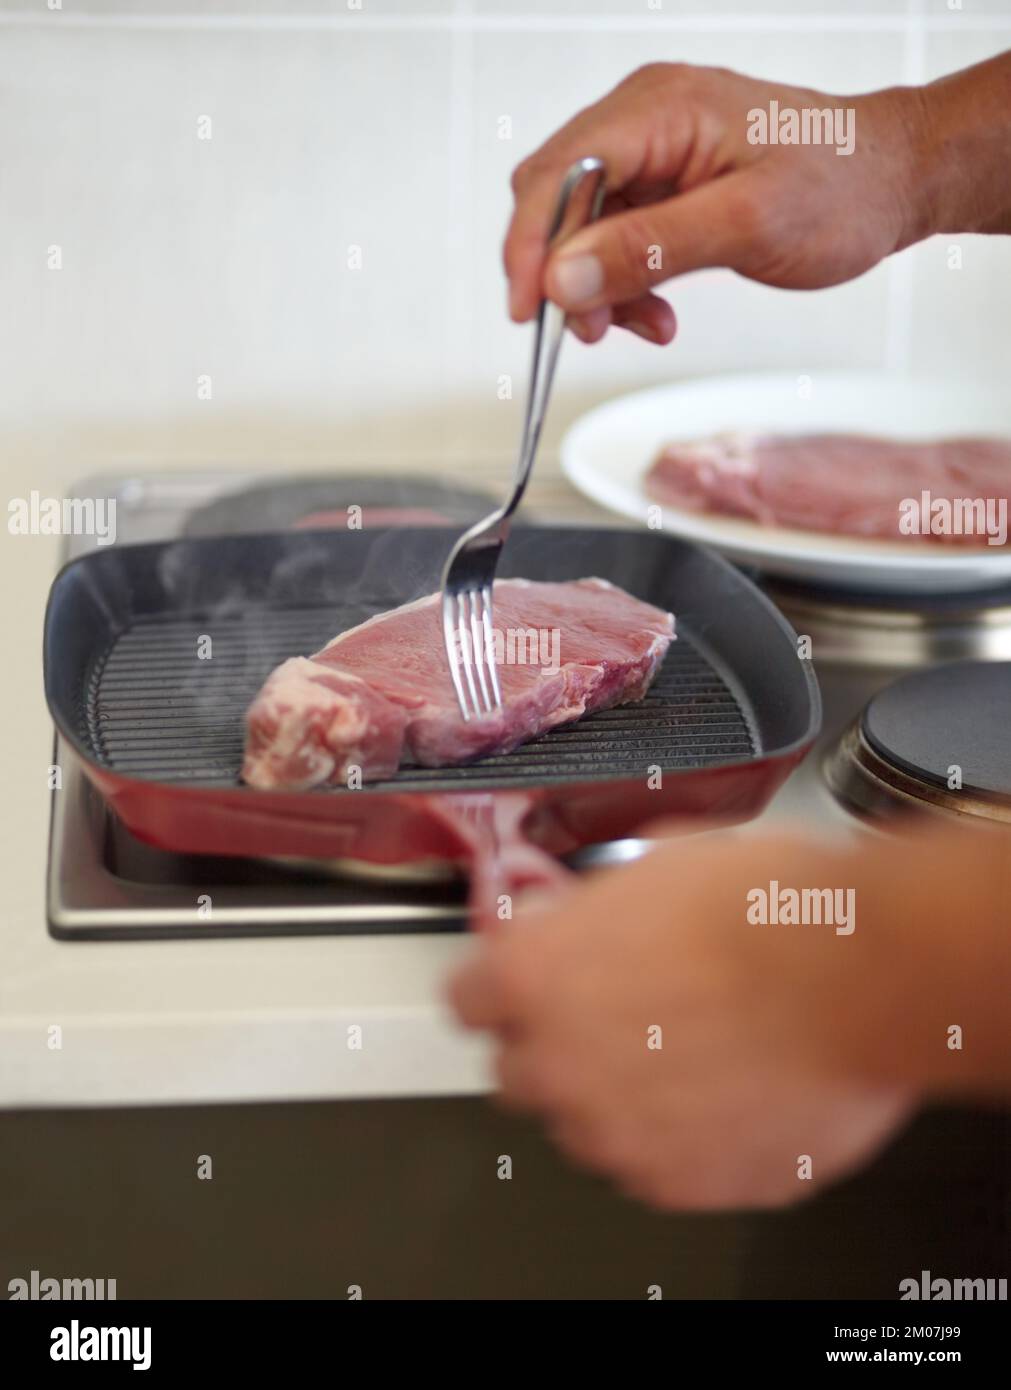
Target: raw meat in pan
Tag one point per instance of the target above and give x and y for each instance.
(381, 695)
(848, 484)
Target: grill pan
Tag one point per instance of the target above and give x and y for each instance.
(159, 727)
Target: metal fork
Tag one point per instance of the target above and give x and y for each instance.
(470, 570)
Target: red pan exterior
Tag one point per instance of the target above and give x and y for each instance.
(391, 828)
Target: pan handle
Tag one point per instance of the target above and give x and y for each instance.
(503, 862)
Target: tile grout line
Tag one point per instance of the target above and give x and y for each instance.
(459, 230)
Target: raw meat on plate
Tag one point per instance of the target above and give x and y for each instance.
(848, 484)
(381, 695)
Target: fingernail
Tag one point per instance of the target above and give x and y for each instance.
(577, 279)
(642, 329)
(513, 302)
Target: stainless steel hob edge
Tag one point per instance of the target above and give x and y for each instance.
(87, 902)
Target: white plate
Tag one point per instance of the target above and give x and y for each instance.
(608, 452)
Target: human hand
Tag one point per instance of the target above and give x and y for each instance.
(753, 1069)
(683, 177)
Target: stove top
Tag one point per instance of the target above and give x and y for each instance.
(103, 883)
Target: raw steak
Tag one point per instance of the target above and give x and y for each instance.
(850, 484)
(380, 694)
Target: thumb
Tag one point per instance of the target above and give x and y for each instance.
(624, 255)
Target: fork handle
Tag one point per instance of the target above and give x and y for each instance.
(549, 331)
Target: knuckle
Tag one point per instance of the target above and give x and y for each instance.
(713, 75)
(526, 172)
(648, 74)
(518, 176)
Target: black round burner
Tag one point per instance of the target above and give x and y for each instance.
(956, 716)
(277, 504)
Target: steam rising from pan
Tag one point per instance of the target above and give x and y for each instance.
(233, 630)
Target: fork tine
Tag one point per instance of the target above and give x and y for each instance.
(477, 632)
(489, 646)
(450, 624)
(466, 653)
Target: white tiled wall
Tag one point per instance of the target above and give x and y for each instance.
(338, 127)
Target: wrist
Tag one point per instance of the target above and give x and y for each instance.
(901, 121)
(959, 147)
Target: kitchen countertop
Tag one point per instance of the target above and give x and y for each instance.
(161, 1022)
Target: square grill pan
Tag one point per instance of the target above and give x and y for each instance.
(160, 728)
